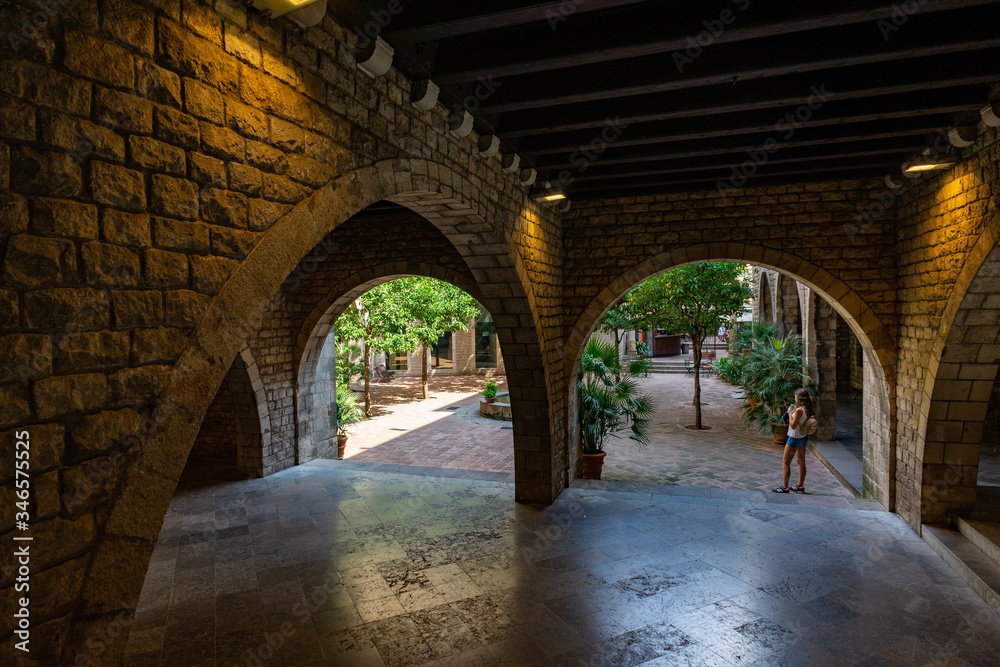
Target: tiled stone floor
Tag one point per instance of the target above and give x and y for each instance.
(447, 432)
(325, 565)
(728, 456)
(443, 431)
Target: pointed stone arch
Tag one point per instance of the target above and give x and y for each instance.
(314, 355)
(964, 362)
(452, 201)
(875, 339)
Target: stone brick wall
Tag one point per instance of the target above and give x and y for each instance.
(145, 148)
(172, 173)
(948, 226)
(216, 441)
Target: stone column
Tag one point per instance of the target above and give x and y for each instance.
(825, 324)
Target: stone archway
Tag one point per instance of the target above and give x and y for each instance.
(120, 559)
(879, 455)
(314, 348)
(959, 385)
(253, 423)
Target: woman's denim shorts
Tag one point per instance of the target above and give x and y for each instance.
(797, 442)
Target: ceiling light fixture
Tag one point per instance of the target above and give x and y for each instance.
(936, 165)
(548, 192)
(296, 9)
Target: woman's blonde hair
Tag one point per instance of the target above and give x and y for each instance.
(807, 401)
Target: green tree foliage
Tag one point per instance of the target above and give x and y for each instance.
(378, 318)
(619, 318)
(696, 300)
(349, 362)
(400, 315)
(434, 308)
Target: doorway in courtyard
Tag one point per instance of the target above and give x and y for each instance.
(734, 450)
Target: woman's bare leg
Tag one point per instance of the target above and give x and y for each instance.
(800, 455)
(786, 465)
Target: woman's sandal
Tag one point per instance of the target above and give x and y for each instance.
(799, 489)
(781, 489)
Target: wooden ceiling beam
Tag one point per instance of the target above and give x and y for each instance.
(730, 64)
(639, 31)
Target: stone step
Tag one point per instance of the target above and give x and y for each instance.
(975, 567)
(984, 534)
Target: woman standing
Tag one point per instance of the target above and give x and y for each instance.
(798, 438)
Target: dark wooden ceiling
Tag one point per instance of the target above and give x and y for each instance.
(893, 73)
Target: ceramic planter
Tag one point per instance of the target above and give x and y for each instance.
(341, 446)
(592, 465)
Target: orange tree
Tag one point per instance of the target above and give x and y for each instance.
(696, 300)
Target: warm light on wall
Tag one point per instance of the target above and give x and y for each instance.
(276, 8)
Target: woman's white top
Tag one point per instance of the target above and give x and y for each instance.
(798, 432)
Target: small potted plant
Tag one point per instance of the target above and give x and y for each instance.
(490, 391)
(349, 413)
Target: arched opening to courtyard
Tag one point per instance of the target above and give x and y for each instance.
(394, 372)
(808, 309)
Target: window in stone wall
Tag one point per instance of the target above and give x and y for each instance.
(395, 362)
(486, 342)
(441, 352)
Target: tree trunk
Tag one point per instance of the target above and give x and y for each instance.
(696, 342)
(423, 368)
(368, 373)
(618, 351)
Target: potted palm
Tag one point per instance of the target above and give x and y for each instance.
(490, 391)
(609, 402)
(772, 372)
(349, 413)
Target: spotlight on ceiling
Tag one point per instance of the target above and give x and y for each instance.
(930, 165)
(548, 192)
(305, 19)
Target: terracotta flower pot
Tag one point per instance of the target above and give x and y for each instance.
(752, 402)
(779, 431)
(341, 446)
(490, 399)
(592, 465)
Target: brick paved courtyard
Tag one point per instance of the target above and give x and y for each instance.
(446, 431)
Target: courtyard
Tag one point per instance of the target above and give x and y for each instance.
(447, 432)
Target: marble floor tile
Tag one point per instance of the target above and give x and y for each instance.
(331, 574)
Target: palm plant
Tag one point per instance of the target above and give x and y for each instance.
(749, 337)
(349, 363)
(349, 412)
(609, 404)
(773, 371)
